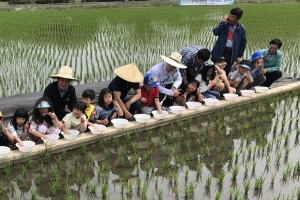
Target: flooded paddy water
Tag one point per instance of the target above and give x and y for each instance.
(246, 152)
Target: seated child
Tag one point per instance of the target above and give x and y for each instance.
(88, 97)
(189, 92)
(150, 95)
(236, 78)
(43, 121)
(207, 74)
(18, 126)
(257, 64)
(220, 83)
(76, 120)
(107, 108)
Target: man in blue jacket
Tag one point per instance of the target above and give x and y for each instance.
(232, 39)
(272, 62)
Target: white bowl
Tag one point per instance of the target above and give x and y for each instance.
(261, 89)
(156, 115)
(177, 109)
(97, 131)
(52, 139)
(72, 136)
(142, 118)
(247, 93)
(119, 122)
(230, 97)
(28, 145)
(211, 101)
(193, 105)
(4, 151)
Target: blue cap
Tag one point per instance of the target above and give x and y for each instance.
(151, 80)
(256, 55)
(208, 64)
(44, 104)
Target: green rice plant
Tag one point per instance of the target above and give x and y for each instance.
(126, 176)
(298, 193)
(23, 181)
(58, 161)
(287, 152)
(1, 188)
(41, 166)
(47, 153)
(104, 189)
(235, 172)
(127, 138)
(187, 145)
(259, 183)
(169, 138)
(12, 185)
(63, 154)
(273, 178)
(221, 177)
(144, 192)
(231, 154)
(71, 170)
(54, 173)
(79, 178)
(213, 165)
(33, 193)
(278, 156)
(134, 146)
(37, 179)
(24, 170)
(207, 151)
(160, 194)
(54, 186)
(116, 142)
(92, 186)
(107, 153)
(7, 169)
(287, 138)
(29, 162)
(208, 181)
(75, 158)
(237, 194)
(187, 172)
(121, 160)
(297, 132)
(268, 159)
(253, 166)
(177, 191)
(218, 195)
(246, 187)
(167, 150)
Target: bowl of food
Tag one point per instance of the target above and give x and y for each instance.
(52, 139)
(177, 109)
(27, 146)
(230, 97)
(97, 129)
(4, 151)
(193, 105)
(71, 136)
(261, 89)
(211, 101)
(247, 93)
(119, 122)
(156, 114)
(142, 118)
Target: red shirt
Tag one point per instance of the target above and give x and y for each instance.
(153, 93)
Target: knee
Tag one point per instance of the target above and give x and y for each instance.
(42, 129)
(56, 131)
(278, 74)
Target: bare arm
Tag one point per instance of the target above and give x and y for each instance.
(117, 96)
(157, 104)
(249, 77)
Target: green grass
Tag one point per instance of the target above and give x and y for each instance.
(96, 41)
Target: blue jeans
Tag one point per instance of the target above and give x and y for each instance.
(211, 94)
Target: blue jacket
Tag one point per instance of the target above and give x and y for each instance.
(239, 42)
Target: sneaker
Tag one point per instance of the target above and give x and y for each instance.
(131, 119)
(239, 93)
(167, 109)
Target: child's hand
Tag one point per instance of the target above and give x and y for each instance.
(52, 115)
(4, 129)
(143, 99)
(105, 121)
(44, 137)
(94, 112)
(115, 103)
(184, 95)
(95, 126)
(21, 143)
(160, 112)
(26, 126)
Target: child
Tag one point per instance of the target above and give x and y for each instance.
(189, 92)
(18, 126)
(207, 74)
(150, 95)
(257, 64)
(75, 120)
(43, 121)
(236, 78)
(88, 97)
(220, 83)
(107, 108)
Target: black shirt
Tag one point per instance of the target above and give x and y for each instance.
(59, 103)
(120, 85)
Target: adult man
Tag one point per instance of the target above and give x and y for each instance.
(232, 39)
(192, 57)
(272, 62)
(128, 77)
(61, 93)
(169, 77)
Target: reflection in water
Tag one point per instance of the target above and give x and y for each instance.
(201, 158)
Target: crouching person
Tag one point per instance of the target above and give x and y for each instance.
(238, 77)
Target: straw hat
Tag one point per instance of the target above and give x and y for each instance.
(64, 72)
(174, 59)
(130, 73)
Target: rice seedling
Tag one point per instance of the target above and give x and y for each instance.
(1, 188)
(7, 169)
(235, 172)
(218, 195)
(33, 193)
(246, 187)
(160, 194)
(63, 154)
(37, 179)
(12, 185)
(47, 153)
(259, 183)
(29, 162)
(127, 138)
(144, 192)
(221, 177)
(134, 146)
(116, 142)
(208, 181)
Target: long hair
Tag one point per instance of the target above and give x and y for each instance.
(101, 103)
(21, 113)
(204, 71)
(36, 115)
(194, 93)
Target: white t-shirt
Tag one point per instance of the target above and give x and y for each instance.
(73, 119)
(203, 87)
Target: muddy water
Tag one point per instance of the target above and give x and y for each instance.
(257, 140)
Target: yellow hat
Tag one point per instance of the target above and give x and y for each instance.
(64, 72)
(130, 73)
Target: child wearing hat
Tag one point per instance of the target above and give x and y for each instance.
(236, 78)
(150, 95)
(257, 64)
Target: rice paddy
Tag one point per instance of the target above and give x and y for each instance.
(35, 44)
(248, 152)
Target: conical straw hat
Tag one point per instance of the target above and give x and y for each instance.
(174, 59)
(64, 72)
(130, 73)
